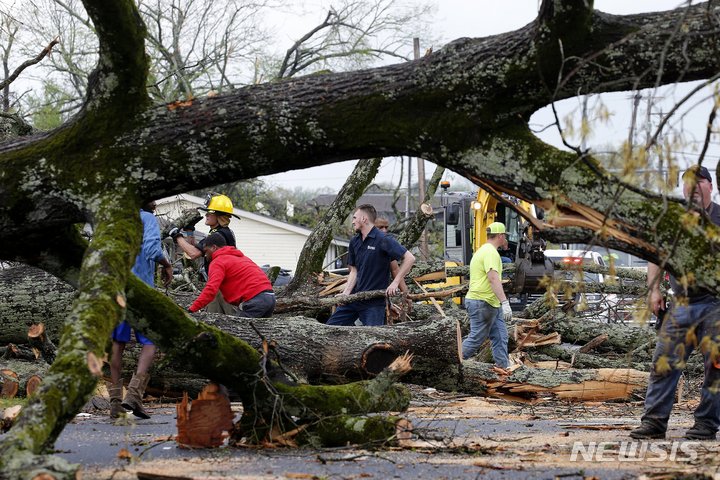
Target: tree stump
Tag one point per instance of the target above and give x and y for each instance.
(207, 421)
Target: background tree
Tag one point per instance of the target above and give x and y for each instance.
(64, 75)
(11, 123)
(356, 34)
(197, 46)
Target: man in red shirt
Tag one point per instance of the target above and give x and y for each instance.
(242, 283)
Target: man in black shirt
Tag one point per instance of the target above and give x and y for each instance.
(693, 321)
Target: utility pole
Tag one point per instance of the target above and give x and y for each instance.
(421, 172)
(409, 188)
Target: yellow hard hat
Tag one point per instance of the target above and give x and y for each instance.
(218, 204)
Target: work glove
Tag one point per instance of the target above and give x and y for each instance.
(506, 310)
(175, 232)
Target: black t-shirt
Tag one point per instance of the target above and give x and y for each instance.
(229, 240)
(695, 294)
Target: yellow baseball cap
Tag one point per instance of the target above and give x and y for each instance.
(496, 227)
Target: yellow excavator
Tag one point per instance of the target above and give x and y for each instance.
(467, 216)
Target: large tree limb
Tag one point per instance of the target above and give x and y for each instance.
(122, 70)
(298, 123)
(72, 377)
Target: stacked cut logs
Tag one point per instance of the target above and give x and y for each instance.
(25, 365)
(33, 305)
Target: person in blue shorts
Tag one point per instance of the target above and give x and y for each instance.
(150, 254)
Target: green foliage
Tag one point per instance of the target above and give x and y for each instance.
(46, 114)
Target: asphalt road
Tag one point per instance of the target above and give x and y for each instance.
(498, 447)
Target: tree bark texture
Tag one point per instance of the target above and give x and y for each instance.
(465, 107)
(330, 353)
(30, 296)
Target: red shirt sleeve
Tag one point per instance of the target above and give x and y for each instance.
(215, 279)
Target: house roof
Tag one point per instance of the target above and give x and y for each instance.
(199, 202)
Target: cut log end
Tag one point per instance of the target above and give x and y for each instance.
(37, 330)
(377, 357)
(9, 382)
(205, 422)
(32, 384)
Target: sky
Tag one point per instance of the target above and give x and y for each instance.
(478, 18)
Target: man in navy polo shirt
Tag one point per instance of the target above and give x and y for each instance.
(369, 257)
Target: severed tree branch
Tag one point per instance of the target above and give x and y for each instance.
(27, 63)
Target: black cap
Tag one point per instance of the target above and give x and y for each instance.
(700, 172)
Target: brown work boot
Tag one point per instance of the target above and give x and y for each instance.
(115, 391)
(134, 395)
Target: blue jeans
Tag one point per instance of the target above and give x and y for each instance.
(347, 314)
(499, 341)
(482, 317)
(675, 343)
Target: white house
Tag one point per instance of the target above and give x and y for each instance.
(263, 239)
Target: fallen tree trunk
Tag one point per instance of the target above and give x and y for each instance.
(620, 338)
(319, 352)
(584, 360)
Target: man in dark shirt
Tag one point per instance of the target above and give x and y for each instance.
(694, 319)
(369, 257)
